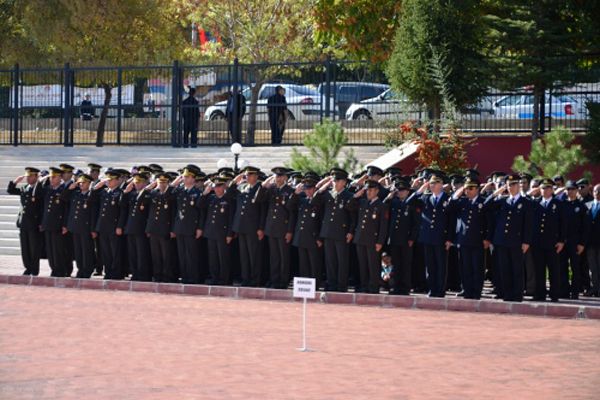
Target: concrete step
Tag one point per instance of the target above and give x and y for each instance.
(9, 233)
(9, 242)
(10, 251)
(12, 217)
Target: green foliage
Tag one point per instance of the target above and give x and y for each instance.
(554, 154)
(351, 24)
(591, 139)
(324, 145)
(454, 29)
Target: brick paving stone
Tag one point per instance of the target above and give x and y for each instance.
(74, 344)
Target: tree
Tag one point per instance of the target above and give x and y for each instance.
(324, 144)
(106, 33)
(363, 28)
(555, 154)
(591, 140)
(539, 43)
(255, 32)
(453, 29)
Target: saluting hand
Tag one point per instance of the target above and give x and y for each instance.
(19, 179)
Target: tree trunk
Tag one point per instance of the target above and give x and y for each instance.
(535, 121)
(102, 121)
(252, 112)
(435, 113)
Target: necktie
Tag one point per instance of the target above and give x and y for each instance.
(595, 210)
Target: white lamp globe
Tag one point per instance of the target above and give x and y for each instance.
(242, 164)
(222, 163)
(236, 148)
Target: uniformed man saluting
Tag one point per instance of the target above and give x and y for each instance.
(29, 219)
(370, 235)
(159, 227)
(53, 224)
(81, 222)
(248, 223)
(187, 225)
(218, 210)
(110, 223)
(136, 199)
(279, 226)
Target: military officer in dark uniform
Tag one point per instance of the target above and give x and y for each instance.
(94, 172)
(110, 223)
(53, 223)
(511, 236)
(29, 219)
(159, 227)
(370, 234)
(136, 199)
(472, 236)
(574, 210)
(402, 236)
(187, 225)
(218, 212)
(306, 239)
(279, 226)
(248, 223)
(436, 232)
(548, 240)
(593, 241)
(337, 228)
(68, 178)
(80, 223)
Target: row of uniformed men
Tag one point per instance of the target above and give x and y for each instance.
(316, 216)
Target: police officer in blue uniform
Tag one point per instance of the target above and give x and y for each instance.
(80, 223)
(436, 232)
(472, 236)
(370, 234)
(29, 218)
(511, 236)
(161, 214)
(337, 228)
(218, 212)
(110, 223)
(279, 226)
(136, 199)
(187, 225)
(248, 223)
(402, 236)
(548, 240)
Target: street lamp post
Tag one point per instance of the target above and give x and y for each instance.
(236, 150)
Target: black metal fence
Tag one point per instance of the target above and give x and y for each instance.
(143, 105)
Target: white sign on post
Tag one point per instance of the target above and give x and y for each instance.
(304, 288)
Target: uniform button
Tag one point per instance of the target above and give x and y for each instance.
(542, 231)
(505, 231)
(362, 227)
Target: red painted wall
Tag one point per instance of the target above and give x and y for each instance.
(496, 153)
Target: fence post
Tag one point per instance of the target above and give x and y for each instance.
(175, 89)
(542, 126)
(119, 102)
(327, 86)
(15, 106)
(236, 107)
(67, 106)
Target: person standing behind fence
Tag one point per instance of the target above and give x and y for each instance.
(190, 113)
(236, 107)
(86, 110)
(277, 111)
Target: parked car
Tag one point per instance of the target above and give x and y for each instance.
(387, 105)
(303, 103)
(520, 106)
(346, 93)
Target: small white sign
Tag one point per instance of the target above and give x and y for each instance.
(304, 287)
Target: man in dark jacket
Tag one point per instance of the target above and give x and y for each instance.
(29, 219)
(53, 224)
(81, 222)
(593, 240)
(159, 227)
(110, 224)
(370, 235)
(234, 112)
(136, 199)
(576, 235)
(190, 114)
(277, 111)
(279, 225)
(402, 236)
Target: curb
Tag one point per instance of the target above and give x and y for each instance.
(550, 310)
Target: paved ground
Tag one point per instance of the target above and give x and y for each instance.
(62, 344)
